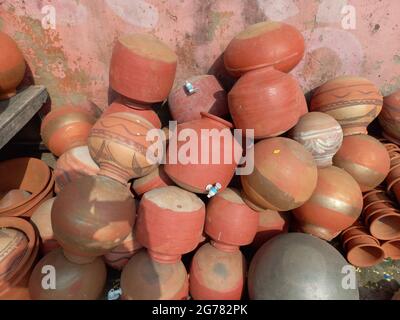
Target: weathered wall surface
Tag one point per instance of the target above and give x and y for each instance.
(69, 48)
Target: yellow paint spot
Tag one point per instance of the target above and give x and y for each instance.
(277, 151)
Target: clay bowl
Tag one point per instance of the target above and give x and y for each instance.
(364, 252)
(356, 233)
(385, 225)
(376, 209)
(392, 249)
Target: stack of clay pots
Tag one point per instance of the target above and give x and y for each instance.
(389, 117)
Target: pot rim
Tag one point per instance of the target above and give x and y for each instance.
(217, 119)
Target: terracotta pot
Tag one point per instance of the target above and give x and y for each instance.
(66, 128)
(211, 160)
(117, 143)
(74, 164)
(357, 233)
(41, 218)
(207, 96)
(284, 176)
(118, 257)
(230, 222)
(364, 252)
(320, 134)
(12, 66)
(91, 216)
(353, 101)
(392, 249)
(365, 158)
(385, 225)
(268, 101)
(170, 223)
(389, 118)
(316, 231)
(335, 204)
(142, 68)
(376, 208)
(216, 274)
(270, 224)
(155, 179)
(72, 281)
(268, 43)
(146, 279)
(13, 198)
(125, 105)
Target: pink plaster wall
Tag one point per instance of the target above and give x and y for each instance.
(73, 60)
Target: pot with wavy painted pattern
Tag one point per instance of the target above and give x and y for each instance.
(320, 134)
(353, 101)
(335, 204)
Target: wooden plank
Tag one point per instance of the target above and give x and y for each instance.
(16, 112)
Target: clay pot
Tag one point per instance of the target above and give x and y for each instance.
(208, 96)
(91, 216)
(263, 44)
(118, 257)
(320, 134)
(392, 249)
(356, 233)
(117, 143)
(142, 68)
(41, 219)
(13, 197)
(170, 223)
(335, 204)
(66, 128)
(284, 176)
(155, 179)
(365, 158)
(213, 158)
(385, 225)
(125, 105)
(364, 252)
(74, 164)
(390, 116)
(145, 279)
(353, 101)
(230, 222)
(72, 281)
(216, 274)
(268, 101)
(12, 66)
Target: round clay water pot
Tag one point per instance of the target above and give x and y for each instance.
(170, 223)
(117, 143)
(125, 105)
(320, 134)
(72, 281)
(392, 249)
(230, 222)
(74, 164)
(217, 274)
(65, 128)
(41, 219)
(297, 266)
(13, 198)
(207, 96)
(214, 154)
(155, 179)
(12, 66)
(118, 257)
(263, 44)
(364, 252)
(389, 118)
(145, 279)
(91, 216)
(353, 101)
(385, 225)
(268, 101)
(284, 175)
(335, 204)
(142, 68)
(365, 158)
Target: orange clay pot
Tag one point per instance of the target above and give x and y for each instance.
(392, 249)
(216, 274)
(209, 97)
(230, 222)
(145, 279)
(170, 223)
(364, 252)
(353, 101)
(335, 204)
(13, 197)
(385, 225)
(65, 128)
(357, 233)
(389, 118)
(155, 179)
(263, 44)
(268, 101)
(12, 66)
(133, 57)
(284, 176)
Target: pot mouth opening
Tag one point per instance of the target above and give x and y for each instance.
(365, 255)
(387, 227)
(392, 249)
